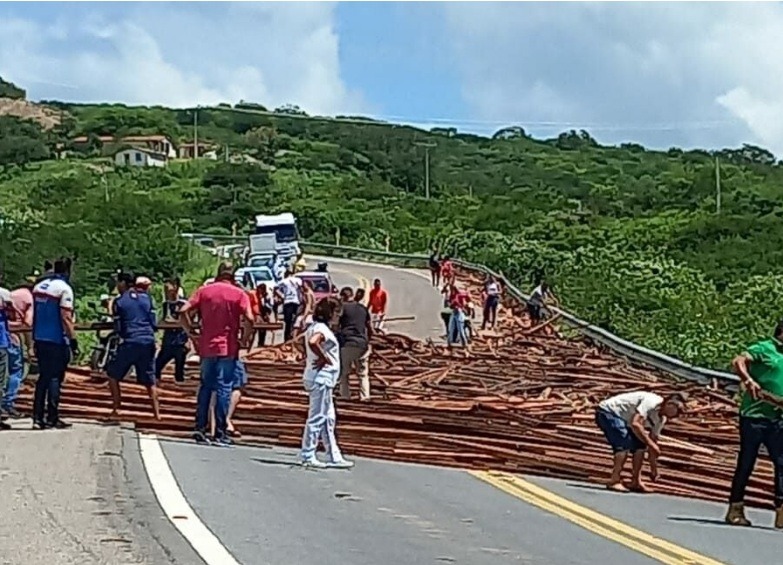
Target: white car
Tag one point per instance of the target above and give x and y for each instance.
(255, 275)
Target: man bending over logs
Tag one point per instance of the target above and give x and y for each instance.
(625, 420)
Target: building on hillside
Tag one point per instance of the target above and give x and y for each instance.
(205, 151)
(155, 143)
(140, 157)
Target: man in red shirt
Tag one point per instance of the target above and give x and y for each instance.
(224, 309)
(377, 304)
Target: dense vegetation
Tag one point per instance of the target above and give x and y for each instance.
(10, 90)
(631, 238)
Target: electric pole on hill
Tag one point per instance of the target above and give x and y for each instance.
(717, 185)
(427, 147)
(195, 133)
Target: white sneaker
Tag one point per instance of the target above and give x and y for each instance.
(313, 463)
(340, 464)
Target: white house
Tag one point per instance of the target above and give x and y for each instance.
(138, 157)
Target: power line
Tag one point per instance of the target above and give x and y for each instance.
(402, 121)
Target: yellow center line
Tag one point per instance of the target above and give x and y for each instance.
(609, 528)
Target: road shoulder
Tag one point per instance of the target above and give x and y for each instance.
(81, 497)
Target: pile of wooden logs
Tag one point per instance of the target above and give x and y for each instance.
(521, 402)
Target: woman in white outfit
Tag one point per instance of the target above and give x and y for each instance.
(322, 369)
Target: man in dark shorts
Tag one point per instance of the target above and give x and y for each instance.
(632, 423)
(134, 322)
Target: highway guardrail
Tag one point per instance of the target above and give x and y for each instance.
(599, 335)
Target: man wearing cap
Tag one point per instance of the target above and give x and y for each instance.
(632, 423)
(135, 324)
(224, 310)
(760, 370)
(54, 341)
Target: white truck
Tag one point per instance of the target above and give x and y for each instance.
(283, 227)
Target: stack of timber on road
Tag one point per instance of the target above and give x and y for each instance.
(523, 402)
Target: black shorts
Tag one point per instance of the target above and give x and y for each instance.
(137, 355)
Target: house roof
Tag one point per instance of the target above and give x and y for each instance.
(129, 138)
(146, 138)
(84, 138)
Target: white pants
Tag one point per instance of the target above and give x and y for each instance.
(321, 421)
(377, 322)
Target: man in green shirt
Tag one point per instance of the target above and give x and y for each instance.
(760, 368)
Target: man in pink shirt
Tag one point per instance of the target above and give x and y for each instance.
(224, 309)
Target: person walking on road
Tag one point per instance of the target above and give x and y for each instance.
(174, 346)
(54, 341)
(224, 310)
(459, 302)
(355, 330)
(435, 267)
(447, 271)
(491, 299)
(289, 292)
(378, 302)
(625, 420)
(322, 368)
(760, 370)
(135, 324)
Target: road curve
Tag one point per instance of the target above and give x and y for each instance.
(267, 510)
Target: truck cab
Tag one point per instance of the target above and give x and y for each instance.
(283, 227)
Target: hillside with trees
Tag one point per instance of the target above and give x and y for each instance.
(631, 238)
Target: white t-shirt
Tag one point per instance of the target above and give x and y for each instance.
(628, 404)
(493, 289)
(327, 375)
(290, 287)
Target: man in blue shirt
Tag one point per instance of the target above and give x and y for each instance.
(134, 322)
(175, 341)
(54, 339)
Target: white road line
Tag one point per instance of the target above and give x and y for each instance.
(176, 508)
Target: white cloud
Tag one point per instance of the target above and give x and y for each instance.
(663, 73)
(183, 54)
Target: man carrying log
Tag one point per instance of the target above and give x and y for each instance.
(760, 369)
(625, 420)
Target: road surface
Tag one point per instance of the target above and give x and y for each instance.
(254, 506)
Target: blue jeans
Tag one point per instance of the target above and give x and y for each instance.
(218, 375)
(457, 328)
(15, 376)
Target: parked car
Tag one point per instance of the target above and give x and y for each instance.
(255, 276)
(321, 282)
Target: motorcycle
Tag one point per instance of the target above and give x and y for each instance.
(106, 345)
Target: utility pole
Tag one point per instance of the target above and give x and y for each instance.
(195, 133)
(717, 185)
(427, 147)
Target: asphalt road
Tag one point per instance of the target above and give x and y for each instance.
(82, 496)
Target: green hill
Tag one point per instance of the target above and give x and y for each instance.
(631, 238)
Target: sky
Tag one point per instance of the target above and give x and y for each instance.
(663, 74)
